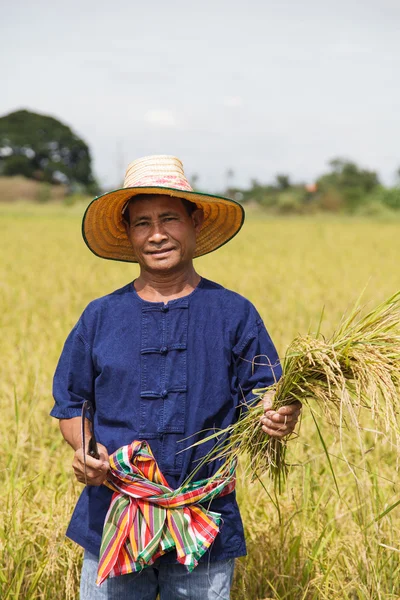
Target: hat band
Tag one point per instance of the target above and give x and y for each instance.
(166, 181)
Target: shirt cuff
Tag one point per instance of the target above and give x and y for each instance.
(65, 413)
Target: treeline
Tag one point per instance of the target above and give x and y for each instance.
(346, 187)
(42, 159)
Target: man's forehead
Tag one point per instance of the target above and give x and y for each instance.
(155, 203)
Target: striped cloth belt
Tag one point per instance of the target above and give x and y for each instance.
(147, 518)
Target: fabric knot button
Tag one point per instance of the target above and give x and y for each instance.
(164, 394)
(164, 308)
(164, 350)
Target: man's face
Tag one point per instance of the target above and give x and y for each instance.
(162, 233)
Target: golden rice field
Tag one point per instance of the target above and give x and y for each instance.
(310, 543)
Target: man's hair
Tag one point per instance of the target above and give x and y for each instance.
(190, 207)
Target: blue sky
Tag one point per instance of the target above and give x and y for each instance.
(259, 87)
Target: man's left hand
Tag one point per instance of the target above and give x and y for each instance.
(279, 423)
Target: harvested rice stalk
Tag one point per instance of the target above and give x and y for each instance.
(358, 367)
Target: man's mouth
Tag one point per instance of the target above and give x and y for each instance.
(160, 251)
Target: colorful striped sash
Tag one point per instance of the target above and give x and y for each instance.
(147, 518)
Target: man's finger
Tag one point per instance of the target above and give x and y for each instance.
(96, 481)
(290, 409)
(268, 400)
(94, 463)
(277, 425)
(275, 433)
(92, 472)
(279, 418)
(92, 476)
(90, 461)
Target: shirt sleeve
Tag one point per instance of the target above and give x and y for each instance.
(73, 381)
(257, 361)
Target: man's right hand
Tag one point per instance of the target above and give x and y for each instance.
(96, 470)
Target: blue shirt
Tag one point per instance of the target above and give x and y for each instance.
(168, 374)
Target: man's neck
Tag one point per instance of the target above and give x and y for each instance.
(162, 287)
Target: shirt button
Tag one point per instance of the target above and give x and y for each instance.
(164, 394)
(164, 308)
(164, 350)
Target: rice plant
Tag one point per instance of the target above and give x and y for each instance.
(357, 368)
(307, 543)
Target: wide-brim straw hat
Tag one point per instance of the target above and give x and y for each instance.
(103, 226)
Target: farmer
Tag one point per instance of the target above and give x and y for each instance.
(164, 361)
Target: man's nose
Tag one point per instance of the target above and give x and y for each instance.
(157, 233)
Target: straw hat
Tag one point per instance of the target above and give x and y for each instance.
(103, 228)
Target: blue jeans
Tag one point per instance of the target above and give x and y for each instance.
(209, 581)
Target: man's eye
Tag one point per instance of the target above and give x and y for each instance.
(140, 224)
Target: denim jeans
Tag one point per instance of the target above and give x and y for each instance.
(208, 581)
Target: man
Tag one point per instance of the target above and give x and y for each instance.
(163, 360)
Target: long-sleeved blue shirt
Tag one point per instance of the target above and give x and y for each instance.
(168, 374)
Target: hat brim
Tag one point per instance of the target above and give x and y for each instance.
(104, 231)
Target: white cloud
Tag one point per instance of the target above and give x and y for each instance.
(233, 101)
(347, 48)
(161, 117)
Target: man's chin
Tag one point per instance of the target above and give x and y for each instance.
(162, 263)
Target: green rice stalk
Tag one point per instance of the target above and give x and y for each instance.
(357, 368)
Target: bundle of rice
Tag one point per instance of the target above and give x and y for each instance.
(357, 368)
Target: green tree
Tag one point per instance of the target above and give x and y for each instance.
(194, 180)
(282, 181)
(350, 181)
(41, 147)
(389, 197)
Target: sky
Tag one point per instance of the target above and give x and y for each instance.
(258, 87)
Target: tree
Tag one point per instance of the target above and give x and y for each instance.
(351, 182)
(398, 177)
(42, 148)
(282, 181)
(230, 175)
(194, 180)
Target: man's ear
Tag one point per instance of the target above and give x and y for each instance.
(127, 227)
(126, 218)
(198, 219)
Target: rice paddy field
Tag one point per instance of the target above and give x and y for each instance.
(315, 541)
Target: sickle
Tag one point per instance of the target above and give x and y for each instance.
(92, 446)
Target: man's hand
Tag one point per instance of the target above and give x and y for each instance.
(280, 423)
(96, 470)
